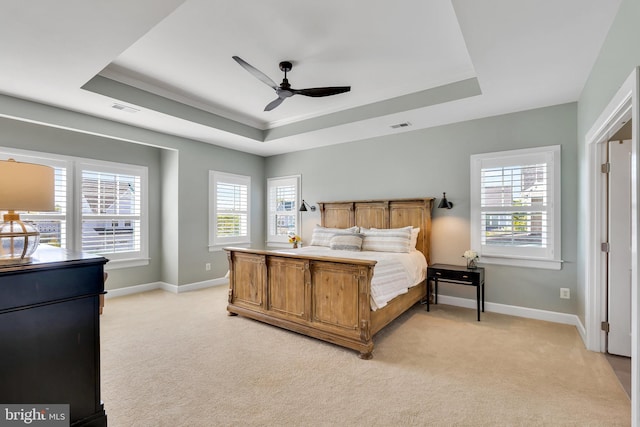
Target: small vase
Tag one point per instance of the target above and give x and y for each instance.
(295, 245)
(471, 263)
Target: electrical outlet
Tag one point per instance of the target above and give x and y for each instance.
(207, 266)
(565, 293)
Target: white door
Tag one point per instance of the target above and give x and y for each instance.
(619, 265)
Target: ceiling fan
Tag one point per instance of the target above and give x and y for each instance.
(285, 91)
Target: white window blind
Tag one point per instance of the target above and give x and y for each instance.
(111, 212)
(283, 196)
(516, 205)
(53, 225)
(229, 208)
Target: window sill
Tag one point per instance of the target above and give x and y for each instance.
(522, 262)
(280, 244)
(116, 264)
(219, 248)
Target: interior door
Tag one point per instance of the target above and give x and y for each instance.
(619, 259)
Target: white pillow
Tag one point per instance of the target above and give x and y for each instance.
(387, 240)
(322, 235)
(414, 237)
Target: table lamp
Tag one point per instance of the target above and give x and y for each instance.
(23, 187)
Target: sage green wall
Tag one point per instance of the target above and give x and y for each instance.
(195, 162)
(170, 214)
(34, 137)
(619, 55)
(428, 162)
(178, 184)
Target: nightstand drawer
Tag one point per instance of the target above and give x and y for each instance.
(452, 275)
(455, 272)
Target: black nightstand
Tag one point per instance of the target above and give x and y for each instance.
(456, 274)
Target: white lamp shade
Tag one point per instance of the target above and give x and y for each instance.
(26, 187)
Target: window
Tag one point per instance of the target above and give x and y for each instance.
(111, 214)
(53, 226)
(100, 208)
(228, 208)
(282, 208)
(515, 207)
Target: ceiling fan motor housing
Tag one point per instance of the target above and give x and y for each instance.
(286, 66)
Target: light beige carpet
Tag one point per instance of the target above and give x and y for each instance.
(179, 360)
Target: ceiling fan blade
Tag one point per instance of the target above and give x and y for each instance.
(256, 73)
(321, 91)
(273, 104)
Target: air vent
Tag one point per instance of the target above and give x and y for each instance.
(125, 108)
(401, 125)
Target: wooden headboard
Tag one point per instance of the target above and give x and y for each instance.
(392, 213)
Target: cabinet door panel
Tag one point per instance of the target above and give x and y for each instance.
(249, 275)
(287, 287)
(335, 289)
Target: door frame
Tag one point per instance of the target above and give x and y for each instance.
(622, 107)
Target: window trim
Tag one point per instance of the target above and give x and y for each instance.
(73, 216)
(120, 260)
(272, 239)
(552, 260)
(217, 243)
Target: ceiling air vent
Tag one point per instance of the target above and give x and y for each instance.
(401, 125)
(125, 108)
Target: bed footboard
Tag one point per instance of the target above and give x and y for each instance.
(324, 298)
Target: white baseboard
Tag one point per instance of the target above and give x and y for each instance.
(129, 290)
(195, 286)
(512, 310)
(530, 313)
(582, 331)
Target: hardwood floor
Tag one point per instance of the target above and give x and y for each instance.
(622, 367)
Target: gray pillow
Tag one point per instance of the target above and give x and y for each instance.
(346, 242)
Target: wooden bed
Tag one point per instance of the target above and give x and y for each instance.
(324, 297)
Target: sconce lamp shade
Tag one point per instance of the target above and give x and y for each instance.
(444, 203)
(304, 205)
(23, 187)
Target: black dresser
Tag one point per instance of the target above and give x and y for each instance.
(50, 333)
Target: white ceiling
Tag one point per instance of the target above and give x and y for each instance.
(423, 62)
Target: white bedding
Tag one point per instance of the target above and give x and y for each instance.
(393, 274)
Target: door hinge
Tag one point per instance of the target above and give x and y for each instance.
(605, 247)
(605, 167)
(604, 326)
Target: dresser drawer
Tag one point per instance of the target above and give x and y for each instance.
(24, 288)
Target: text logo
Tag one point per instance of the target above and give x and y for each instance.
(34, 415)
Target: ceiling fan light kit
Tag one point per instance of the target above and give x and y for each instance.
(284, 90)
